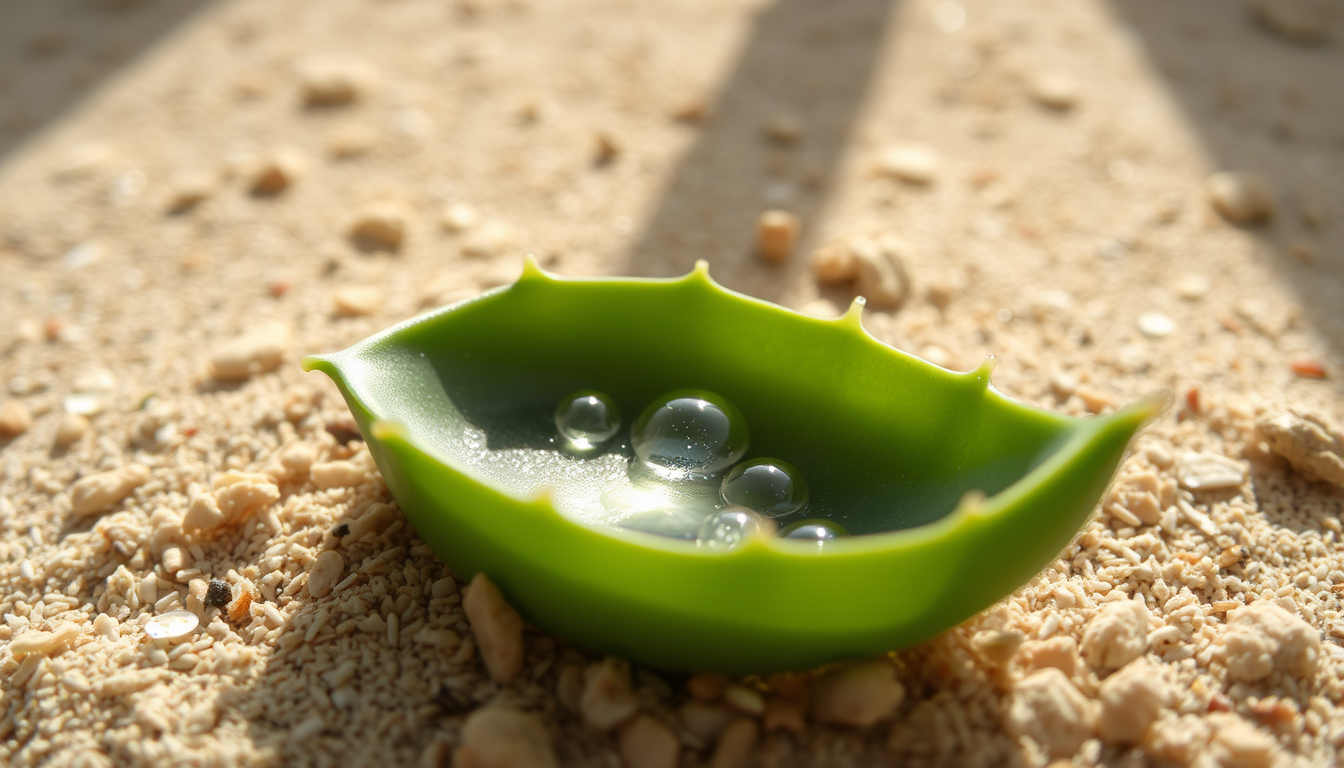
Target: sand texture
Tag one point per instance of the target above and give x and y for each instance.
(1112, 198)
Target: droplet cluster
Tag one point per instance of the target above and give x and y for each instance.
(689, 477)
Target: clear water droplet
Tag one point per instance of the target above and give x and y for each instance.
(770, 487)
(689, 434)
(586, 419)
(172, 625)
(730, 526)
(817, 530)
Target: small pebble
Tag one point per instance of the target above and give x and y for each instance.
(1156, 325)
(693, 110)
(14, 419)
(172, 625)
(498, 629)
(277, 171)
(776, 235)
(70, 428)
(91, 392)
(1311, 444)
(744, 699)
(1046, 706)
(1264, 638)
(497, 737)
(736, 744)
(937, 355)
(1302, 251)
(1094, 400)
(997, 647)
(1169, 205)
(1209, 472)
(706, 686)
(783, 129)
(236, 495)
(34, 641)
(607, 700)
(858, 695)
(647, 743)
(357, 300)
(1301, 21)
(1056, 90)
(882, 277)
(488, 239)
(337, 474)
(459, 217)
(1117, 635)
(218, 593)
(239, 608)
(190, 189)
(84, 160)
(606, 148)
(96, 494)
(1241, 198)
(834, 263)
(84, 255)
(1131, 700)
(351, 141)
(330, 81)
(380, 225)
(327, 570)
(705, 720)
(1192, 287)
(1064, 384)
(259, 349)
(1308, 368)
(911, 163)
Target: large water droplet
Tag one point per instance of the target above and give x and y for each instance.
(586, 419)
(730, 526)
(817, 530)
(689, 434)
(771, 487)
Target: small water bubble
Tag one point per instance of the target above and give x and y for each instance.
(818, 530)
(586, 419)
(690, 434)
(770, 487)
(730, 526)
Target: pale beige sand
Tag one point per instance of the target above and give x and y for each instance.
(612, 137)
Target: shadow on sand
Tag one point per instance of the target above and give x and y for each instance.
(55, 53)
(773, 137)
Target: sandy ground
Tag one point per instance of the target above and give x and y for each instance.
(173, 203)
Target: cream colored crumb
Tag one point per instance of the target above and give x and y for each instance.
(498, 629)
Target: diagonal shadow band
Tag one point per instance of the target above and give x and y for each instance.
(1268, 103)
(54, 53)
(774, 138)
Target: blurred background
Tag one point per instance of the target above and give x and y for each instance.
(1038, 171)
(1111, 196)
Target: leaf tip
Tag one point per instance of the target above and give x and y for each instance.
(532, 271)
(700, 273)
(853, 316)
(981, 374)
(316, 363)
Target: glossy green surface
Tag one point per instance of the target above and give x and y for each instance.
(889, 445)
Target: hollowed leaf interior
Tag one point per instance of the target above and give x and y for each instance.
(885, 441)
